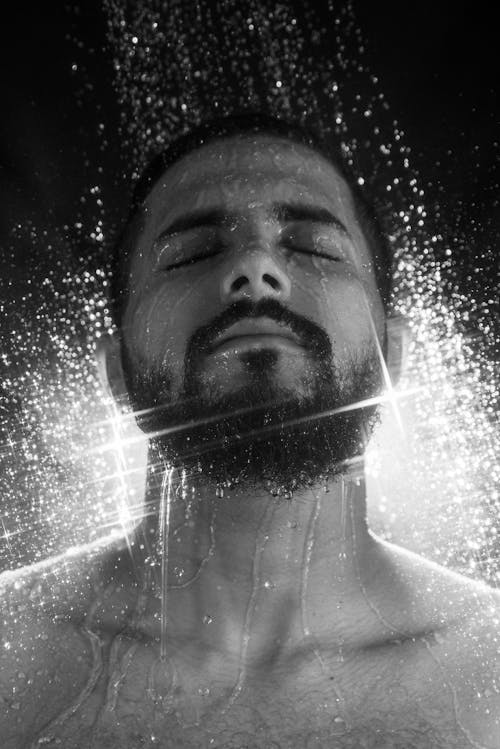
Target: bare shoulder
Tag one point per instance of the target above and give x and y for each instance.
(44, 657)
(433, 594)
(459, 618)
(472, 645)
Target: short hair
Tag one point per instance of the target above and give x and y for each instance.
(244, 124)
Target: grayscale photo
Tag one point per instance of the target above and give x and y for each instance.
(249, 392)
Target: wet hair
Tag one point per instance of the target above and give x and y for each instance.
(245, 124)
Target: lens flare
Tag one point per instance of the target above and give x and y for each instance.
(73, 470)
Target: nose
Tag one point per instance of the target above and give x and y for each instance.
(254, 273)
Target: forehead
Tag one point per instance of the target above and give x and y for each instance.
(243, 173)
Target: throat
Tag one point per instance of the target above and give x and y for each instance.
(247, 577)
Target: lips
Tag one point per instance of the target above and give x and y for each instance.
(256, 333)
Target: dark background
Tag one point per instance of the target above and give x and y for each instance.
(437, 62)
(59, 137)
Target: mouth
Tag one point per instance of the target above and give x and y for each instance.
(254, 334)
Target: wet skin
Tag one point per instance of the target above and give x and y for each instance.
(430, 687)
(288, 233)
(289, 622)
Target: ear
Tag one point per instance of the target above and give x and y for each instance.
(397, 345)
(110, 369)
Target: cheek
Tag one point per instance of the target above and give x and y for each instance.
(162, 320)
(346, 307)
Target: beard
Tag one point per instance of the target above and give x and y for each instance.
(264, 433)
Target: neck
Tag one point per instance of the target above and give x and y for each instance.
(250, 572)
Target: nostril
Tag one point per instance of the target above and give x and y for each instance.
(273, 282)
(239, 282)
(266, 278)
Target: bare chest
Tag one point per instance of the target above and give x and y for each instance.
(131, 702)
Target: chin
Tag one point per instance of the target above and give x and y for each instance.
(262, 367)
(282, 446)
(266, 432)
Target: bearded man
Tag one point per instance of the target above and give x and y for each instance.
(253, 342)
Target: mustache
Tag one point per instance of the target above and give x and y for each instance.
(311, 335)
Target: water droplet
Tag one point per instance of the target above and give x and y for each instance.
(161, 680)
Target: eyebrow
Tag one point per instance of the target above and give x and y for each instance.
(282, 212)
(287, 212)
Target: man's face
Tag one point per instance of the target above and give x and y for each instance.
(252, 308)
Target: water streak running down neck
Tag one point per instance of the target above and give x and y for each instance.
(161, 677)
(164, 526)
(261, 540)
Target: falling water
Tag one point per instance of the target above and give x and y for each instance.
(50, 388)
(168, 77)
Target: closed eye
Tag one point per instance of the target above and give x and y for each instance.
(191, 260)
(189, 254)
(313, 253)
(314, 240)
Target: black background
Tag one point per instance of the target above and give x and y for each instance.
(437, 65)
(437, 62)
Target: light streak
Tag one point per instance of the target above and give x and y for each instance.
(70, 466)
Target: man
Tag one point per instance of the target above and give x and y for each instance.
(253, 343)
